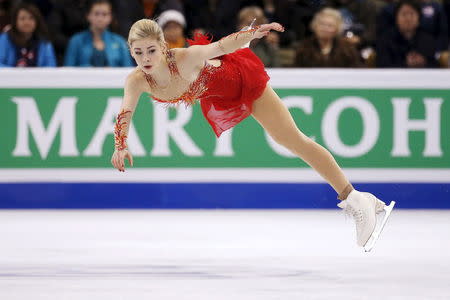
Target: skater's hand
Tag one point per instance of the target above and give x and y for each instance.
(265, 29)
(118, 159)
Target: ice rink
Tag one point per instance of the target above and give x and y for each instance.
(220, 254)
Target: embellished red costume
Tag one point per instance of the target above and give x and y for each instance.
(226, 92)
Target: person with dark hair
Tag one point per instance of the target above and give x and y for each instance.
(97, 46)
(433, 20)
(406, 45)
(26, 43)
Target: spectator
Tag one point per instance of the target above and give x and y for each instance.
(433, 20)
(266, 48)
(327, 48)
(67, 18)
(359, 17)
(26, 43)
(406, 45)
(97, 46)
(129, 11)
(173, 24)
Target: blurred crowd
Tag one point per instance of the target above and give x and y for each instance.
(319, 33)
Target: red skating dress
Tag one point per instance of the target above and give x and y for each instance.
(226, 92)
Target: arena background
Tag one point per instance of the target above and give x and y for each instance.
(389, 130)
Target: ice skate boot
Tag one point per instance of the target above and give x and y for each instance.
(364, 207)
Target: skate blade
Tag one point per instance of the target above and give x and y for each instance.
(376, 234)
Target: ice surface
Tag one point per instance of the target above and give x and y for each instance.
(220, 254)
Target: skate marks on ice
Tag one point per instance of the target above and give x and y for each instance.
(212, 271)
(297, 254)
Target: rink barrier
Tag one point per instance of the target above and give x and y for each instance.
(389, 129)
(211, 195)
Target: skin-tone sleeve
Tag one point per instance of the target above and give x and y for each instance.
(121, 129)
(123, 119)
(197, 54)
(236, 40)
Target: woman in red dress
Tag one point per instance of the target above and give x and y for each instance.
(231, 83)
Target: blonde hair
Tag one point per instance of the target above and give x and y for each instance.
(328, 12)
(143, 29)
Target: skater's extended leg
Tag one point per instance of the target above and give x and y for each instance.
(276, 119)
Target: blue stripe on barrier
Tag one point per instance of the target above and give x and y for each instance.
(209, 195)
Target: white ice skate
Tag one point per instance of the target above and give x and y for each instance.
(364, 207)
(376, 233)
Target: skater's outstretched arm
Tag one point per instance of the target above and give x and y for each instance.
(199, 53)
(132, 91)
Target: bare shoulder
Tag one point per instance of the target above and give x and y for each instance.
(187, 53)
(135, 85)
(179, 53)
(187, 60)
(136, 81)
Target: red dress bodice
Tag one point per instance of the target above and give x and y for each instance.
(226, 92)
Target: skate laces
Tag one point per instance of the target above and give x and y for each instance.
(379, 207)
(356, 214)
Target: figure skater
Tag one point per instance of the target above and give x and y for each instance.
(231, 83)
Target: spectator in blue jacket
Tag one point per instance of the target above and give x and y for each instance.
(26, 43)
(97, 46)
